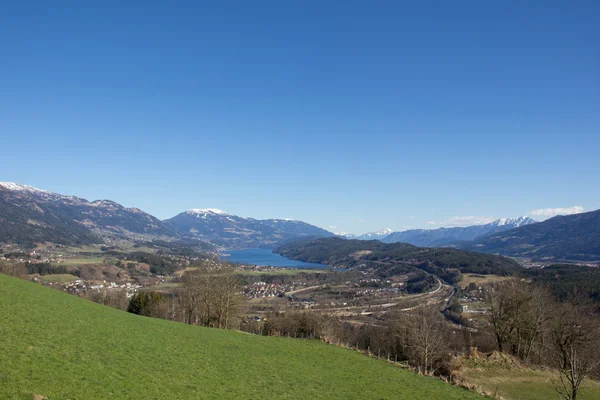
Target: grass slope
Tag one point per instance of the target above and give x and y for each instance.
(60, 278)
(513, 381)
(63, 347)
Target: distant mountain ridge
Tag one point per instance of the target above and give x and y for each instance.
(368, 236)
(447, 236)
(29, 215)
(569, 237)
(233, 231)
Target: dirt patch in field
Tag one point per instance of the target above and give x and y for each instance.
(359, 254)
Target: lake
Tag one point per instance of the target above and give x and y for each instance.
(266, 257)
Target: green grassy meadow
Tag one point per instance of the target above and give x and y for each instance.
(82, 261)
(60, 278)
(63, 347)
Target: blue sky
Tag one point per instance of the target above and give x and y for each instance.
(354, 116)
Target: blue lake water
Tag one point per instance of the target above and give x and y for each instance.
(266, 257)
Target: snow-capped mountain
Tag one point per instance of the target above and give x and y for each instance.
(220, 227)
(346, 235)
(512, 222)
(29, 215)
(448, 236)
(374, 235)
(564, 237)
(206, 211)
(17, 187)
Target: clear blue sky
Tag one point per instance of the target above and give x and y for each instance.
(356, 115)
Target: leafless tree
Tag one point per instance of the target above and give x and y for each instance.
(13, 269)
(518, 313)
(211, 295)
(575, 339)
(422, 334)
(112, 298)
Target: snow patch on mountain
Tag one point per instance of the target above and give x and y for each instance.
(201, 211)
(375, 235)
(446, 236)
(21, 188)
(346, 235)
(513, 222)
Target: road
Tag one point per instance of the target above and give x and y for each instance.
(368, 309)
(293, 292)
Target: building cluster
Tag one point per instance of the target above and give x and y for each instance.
(259, 268)
(263, 289)
(34, 257)
(377, 292)
(81, 287)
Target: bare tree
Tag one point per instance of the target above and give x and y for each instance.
(517, 314)
(422, 334)
(211, 295)
(112, 298)
(576, 348)
(12, 269)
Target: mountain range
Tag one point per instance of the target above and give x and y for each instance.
(568, 237)
(448, 236)
(379, 235)
(29, 215)
(217, 226)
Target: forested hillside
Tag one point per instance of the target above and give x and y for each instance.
(569, 237)
(388, 258)
(567, 280)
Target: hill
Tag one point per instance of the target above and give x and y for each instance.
(449, 236)
(29, 215)
(389, 258)
(570, 237)
(232, 231)
(564, 280)
(60, 346)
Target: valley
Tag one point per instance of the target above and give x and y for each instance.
(286, 278)
(300, 200)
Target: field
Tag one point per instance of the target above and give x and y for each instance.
(82, 261)
(164, 286)
(60, 278)
(64, 347)
(512, 381)
(480, 280)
